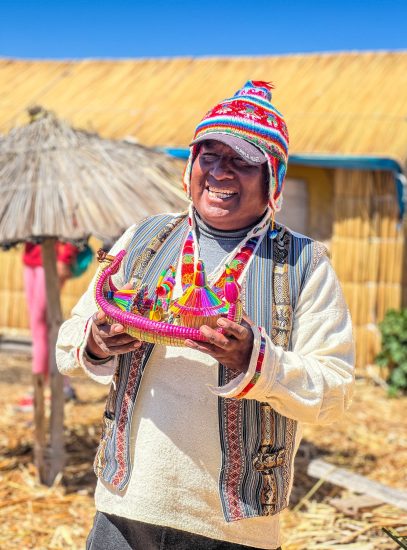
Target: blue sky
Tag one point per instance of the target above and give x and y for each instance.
(62, 29)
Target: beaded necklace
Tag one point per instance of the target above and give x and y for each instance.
(238, 260)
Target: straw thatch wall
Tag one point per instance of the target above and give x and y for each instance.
(350, 103)
(368, 252)
(356, 214)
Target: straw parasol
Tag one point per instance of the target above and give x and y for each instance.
(66, 183)
(59, 183)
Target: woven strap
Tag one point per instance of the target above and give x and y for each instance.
(143, 261)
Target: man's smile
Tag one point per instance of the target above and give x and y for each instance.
(220, 193)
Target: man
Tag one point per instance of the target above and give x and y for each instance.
(199, 441)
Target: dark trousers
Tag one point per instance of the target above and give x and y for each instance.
(115, 533)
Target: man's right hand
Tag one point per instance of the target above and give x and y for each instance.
(106, 340)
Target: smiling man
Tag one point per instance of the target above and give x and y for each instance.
(199, 441)
(228, 191)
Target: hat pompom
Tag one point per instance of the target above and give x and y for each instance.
(256, 88)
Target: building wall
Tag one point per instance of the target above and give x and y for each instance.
(368, 252)
(295, 209)
(320, 191)
(356, 214)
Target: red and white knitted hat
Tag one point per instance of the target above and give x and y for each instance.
(249, 116)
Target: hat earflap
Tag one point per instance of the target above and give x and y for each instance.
(193, 153)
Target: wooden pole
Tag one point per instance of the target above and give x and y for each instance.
(40, 439)
(356, 483)
(55, 455)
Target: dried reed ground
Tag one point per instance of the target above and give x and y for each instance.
(371, 440)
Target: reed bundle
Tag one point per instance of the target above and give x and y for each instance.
(368, 246)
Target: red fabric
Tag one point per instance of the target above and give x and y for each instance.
(66, 253)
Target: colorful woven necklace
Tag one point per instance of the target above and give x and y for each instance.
(238, 260)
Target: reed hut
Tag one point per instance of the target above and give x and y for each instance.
(346, 113)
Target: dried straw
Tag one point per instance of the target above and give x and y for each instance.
(370, 440)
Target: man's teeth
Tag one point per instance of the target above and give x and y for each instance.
(220, 193)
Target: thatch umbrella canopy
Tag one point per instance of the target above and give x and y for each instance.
(56, 181)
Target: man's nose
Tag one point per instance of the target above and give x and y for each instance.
(222, 169)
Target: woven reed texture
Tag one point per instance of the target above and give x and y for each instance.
(368, 251)
(346, 103)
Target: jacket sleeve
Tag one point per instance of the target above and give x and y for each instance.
(313, 382)
(73, 334)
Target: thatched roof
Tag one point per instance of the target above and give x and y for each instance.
(339, 103)
(60, 182)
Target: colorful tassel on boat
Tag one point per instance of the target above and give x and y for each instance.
(166, 288)
(199, 304)
(231, 292)
(134, 301)
(124, 299)
(231, 289)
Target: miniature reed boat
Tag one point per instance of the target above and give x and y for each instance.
(159, 319)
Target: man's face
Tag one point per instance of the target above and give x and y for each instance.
(227, 192)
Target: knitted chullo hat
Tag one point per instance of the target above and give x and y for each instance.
(249, 115)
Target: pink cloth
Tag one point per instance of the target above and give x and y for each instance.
(34, 282)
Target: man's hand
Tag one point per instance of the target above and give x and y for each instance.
(233, 348)
(106, 340)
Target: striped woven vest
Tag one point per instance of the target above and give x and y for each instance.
(257, 443)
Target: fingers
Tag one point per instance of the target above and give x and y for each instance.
(117, 340)
(110, 331)
(100, 320)
(214, 337)
(233, 329)
(226, 339)
(104, 347)
(200, 346)
(217, 343)
(111, 339)
(216, 352)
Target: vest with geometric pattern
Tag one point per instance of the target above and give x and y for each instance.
(257, 443)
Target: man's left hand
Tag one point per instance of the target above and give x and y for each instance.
(233, 348)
